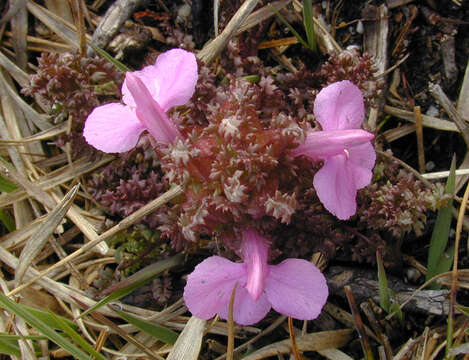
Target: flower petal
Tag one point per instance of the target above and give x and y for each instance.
(150, 113)
(148, 75)
(335, 186)
(362, 160)
(209, 286)
(175, 76)
(255, 253)
(246, 310)
(296, 288)
(340, 106)
(171, 81)
(112, 128)
(322, 144)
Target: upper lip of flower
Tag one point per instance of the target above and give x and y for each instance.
(147, 95)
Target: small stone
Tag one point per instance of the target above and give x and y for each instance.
(429, 166)
(433, 111)
(360, 28)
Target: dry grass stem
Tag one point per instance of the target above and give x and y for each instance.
(428, 121)
(419, 131)
(39, 239)
(189, 342)
(211, 50)
(125, 223)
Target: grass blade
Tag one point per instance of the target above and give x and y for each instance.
(9, 347)
(136, 280)
(120, 66)
(37, 241)
(308, 23)
(157, 331)
(75, 336)
(7, 185)
(45, 318)
(287, 24)
(383, 290)
(36, 323)
(437, 258)
(7, 220)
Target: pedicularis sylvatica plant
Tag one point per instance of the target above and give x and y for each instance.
(241, 171)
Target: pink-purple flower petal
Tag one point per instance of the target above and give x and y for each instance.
(148, 76)
(255, 253)
(176, 74)
(150, 113)
(170, 81)
(361, 161)
(246, 310)
(113, 128)
(296, 288)
(322, 144)
(335, 186)
(340, 106)
(210, 285)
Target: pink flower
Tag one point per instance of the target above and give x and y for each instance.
(348, 154)
(294, 287)
(147, 94)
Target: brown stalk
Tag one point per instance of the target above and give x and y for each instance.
(79, 13)
(231, 326)
(454, 280)
(294, 347)
(359, 324)
(419, 131)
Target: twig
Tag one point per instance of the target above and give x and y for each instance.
(428, 121)
(268, 330)
(419, 132)
(405, 349)
(454, 280)
(79, 11)
(440, 96)
(444, 174)
(112, 21)
(366, 308)
(294, 347)
(214, 47)
(231, 327)
(359, 324)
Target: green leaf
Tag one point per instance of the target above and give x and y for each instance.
(437, 262)
(445, 261)
(395, 308)
(32, 320)
(9, 347)
(120, 66)
(463, 309)
(75, 336)
(383, 290)
(136, 280)
(287, 24)
(7, 220)
(253, 79)
(7, 185)
(157, 331)
(308, 23)
(10, 337)
(47, 319)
